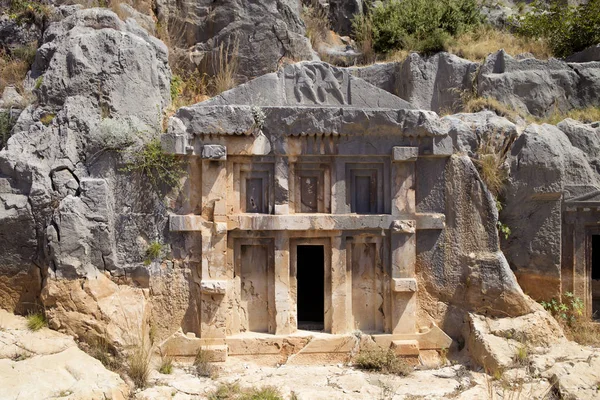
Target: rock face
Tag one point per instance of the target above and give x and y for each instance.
(265, 31)
(341, 13)
(67, 210)
(548, 167)
(533, 86)
(431, 83)
(47, 364)
(539, 87)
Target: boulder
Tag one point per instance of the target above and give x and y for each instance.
(590, 54)
(260, 33)
(98, 309)
(48, 364)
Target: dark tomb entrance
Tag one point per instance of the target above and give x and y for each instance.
(310, 277)
(595, 276)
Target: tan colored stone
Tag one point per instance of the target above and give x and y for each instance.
(405, 347)
(97, 308)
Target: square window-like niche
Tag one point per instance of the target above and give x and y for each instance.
(311, 191)
(255, 185)
(365, 188)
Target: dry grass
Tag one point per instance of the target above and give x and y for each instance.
(363, 33)
(14, 67)
(203, 365)
(138, 364)
(477, 104)
(583, 331)
(381, 360)
(232, 391)
(100, 349)
(586, 115)
(317, 24)
(478, 44)
(225, 65)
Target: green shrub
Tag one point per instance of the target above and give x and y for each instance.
(568, 310)
(567, 29)
(166, 365)
(153, 252)
(36, 321)
(176, 87)
(6, 125)
(381, 360)
(159, 167)
(416, 24)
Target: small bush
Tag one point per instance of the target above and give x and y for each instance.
(521, 357)
(381, 360)
(566, 29)
(153, 252)
(36, 321)
(203, 365)
(232, 391)
(416, 24)
(159, 167)
(166, 365)
(569, 314)
(15, 65)
(6, 125)
(47, 118)
(29, 11)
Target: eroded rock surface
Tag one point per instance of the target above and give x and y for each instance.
(48, 364)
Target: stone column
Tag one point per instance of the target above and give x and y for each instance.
(338, 187)
(340, 312)
(403, 241)
(282, 284)
(214, 275)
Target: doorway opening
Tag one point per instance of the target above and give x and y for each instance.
(310, 275)
(595, 284)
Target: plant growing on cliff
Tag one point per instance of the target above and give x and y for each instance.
(36, 321)
(159, 167)
(153, 252)
(203, 365)
(419, 25)
(566, 29)
(316, 22)
(225, 66)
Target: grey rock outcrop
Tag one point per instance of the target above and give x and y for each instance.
(265, 31)
(341, 13)
(431, 83)
(546, 163)
(68, 211)
(539, 87)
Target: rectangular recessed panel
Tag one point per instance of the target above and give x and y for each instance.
(254, 195)
(366, 298)
(309, 187)
(362, 193)
(254, 280)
